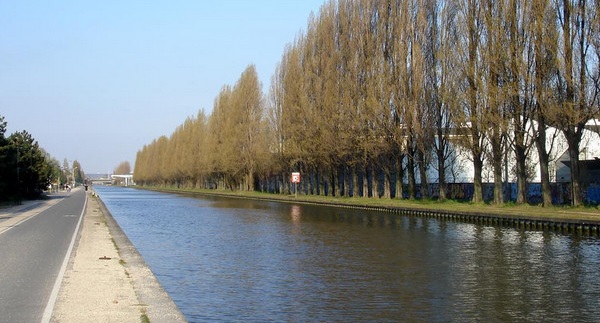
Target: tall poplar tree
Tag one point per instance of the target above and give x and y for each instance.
(472, 123)
(442, 82)
(248, 125)
(545, 104)
(577, 79)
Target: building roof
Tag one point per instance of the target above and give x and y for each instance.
(590, 164)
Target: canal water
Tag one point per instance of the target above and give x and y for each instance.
(227, 259)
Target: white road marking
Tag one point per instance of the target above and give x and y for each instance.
(54, 295)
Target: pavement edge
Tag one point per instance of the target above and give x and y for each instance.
(159, 305)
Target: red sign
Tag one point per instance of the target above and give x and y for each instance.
(295, 177)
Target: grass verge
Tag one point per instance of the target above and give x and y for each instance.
(553, 213)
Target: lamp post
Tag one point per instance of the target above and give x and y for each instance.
(18, 174)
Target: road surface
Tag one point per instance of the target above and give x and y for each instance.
(34, 242)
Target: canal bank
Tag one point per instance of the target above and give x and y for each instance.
(585, 221)
(107, 280)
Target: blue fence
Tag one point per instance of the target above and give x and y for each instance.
(561, 192)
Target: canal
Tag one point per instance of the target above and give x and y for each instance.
(227, 259)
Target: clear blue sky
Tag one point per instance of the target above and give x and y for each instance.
(96, 80)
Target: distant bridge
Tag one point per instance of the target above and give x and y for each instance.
(101, 181)
(128, 178)
(98, 179)
(107, 179)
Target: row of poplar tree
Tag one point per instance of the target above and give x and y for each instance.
(26, 170)
(375, 93)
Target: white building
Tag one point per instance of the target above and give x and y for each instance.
(460, 169)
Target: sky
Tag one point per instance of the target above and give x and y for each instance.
(94, 81)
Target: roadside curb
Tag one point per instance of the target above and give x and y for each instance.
(159, 305)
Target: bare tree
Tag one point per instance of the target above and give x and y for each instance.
(471, 122)
(442, 35)
(578, 101)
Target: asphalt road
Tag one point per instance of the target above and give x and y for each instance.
(32, 253)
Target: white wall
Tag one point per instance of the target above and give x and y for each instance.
(462, 170)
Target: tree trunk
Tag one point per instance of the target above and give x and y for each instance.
(320, 184)
(345, 182)
(368, 182)
(250, 180)
(478, 187)
(575, 177)
(423, 175)
(356, 185)
(521, 160)
(441, 172)
(399, 178)
(498, 183)
(540, 143)
(348, 181)
(387, 187)
(312, 187)
(332, 188)
(545, 179)
(387, 190)
(570, 101)
(497, 167)
(410, 170)
(338, 180)
(377, 181)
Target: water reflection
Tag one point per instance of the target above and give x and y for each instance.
(296, 213)
(242, 260)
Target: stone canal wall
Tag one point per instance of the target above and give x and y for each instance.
(579, 226)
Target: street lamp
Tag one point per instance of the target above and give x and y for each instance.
(18, 173)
